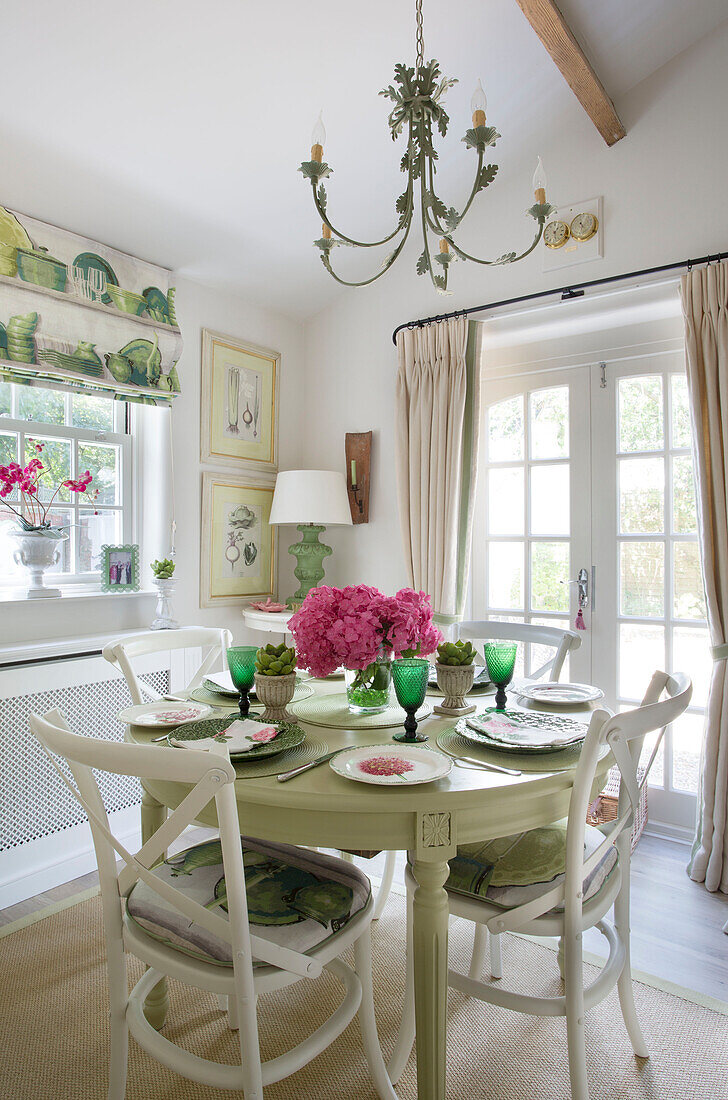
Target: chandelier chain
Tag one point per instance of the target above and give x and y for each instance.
(420, 37)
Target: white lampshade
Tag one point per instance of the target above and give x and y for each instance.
(310, 496)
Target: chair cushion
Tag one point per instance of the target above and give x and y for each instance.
(515, 869)
(296, 898)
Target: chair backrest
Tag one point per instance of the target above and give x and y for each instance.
(624, 734)
(211, 777)
(213, 642)
(563, 641)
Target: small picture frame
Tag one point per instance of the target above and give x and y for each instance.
(239, 404)
(120, 568)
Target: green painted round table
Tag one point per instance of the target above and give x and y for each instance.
(322, 809)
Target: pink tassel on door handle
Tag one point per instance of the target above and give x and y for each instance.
(579, 623)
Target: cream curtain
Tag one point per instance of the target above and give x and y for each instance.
(705, 308)
(437, 418)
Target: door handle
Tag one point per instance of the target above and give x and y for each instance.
(582, 587)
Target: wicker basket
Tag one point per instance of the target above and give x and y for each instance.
(604, 806)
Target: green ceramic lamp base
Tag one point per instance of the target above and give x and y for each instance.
(309, 554)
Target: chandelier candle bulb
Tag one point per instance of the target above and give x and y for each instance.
(539, 182)
(444, 246)
(318, 140)
(478, 105)
(325, 231)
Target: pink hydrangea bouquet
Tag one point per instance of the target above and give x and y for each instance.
(358, 625)
(31, 513)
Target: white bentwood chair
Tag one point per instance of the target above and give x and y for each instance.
(561, 640)
(121, 654)
(596, 876)
(235, 961)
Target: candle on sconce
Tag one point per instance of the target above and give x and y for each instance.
(325, 231)
(539, 183)
(478, 105)
(318, 139)
(353, 473)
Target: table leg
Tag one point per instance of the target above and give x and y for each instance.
(156, 1005)
(430, 927)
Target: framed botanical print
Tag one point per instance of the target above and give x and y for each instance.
(238, 549)
(120, 568)
(240, 396)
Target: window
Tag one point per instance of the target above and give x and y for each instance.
(79, 432)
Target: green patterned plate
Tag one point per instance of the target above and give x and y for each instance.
(532, 736)
(157, 300)
(289, 736)
(89, 261)
(138, 353)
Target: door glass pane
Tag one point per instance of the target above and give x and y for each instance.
(641, 495)
(88, 411)
(540, 654)
(8, 448)
(680, 411)
(94, 531)
(48, 406)
(505, 575)
(688, 595)
(56, 459)
(5, 399)
(691, 654)
(641, 652)
(505, 500)
(657, 771)
(549, 574)
(684, 514)
(102, 462)
(640, 413)
(549, 412)
(642, 579)
(505, 430)
(687, 739)
(550, 488)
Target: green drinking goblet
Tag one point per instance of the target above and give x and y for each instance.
(241, 662)
(500, 658)
(410, 676)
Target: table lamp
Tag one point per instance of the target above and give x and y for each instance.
(313, 500)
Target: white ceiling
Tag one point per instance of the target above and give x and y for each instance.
(173, 128)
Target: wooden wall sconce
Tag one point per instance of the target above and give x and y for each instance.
(358, 463)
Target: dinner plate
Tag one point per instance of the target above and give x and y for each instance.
(391, 765)
(288, 737)
(522, 731)
(218, 698)
(557, 694)
(221, 682)
(89, 261)
(164, 715)
(481, 679)
(157, 299)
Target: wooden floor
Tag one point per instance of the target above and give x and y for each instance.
(676, 924)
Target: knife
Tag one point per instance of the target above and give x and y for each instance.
(484, 764)
(285, 776)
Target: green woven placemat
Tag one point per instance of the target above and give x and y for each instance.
(333, 710)
(452, 742)
(213, 699)
(304, 753)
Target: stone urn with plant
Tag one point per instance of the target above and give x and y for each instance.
(455, 675)
(275, 681)
(165, 583)
(24, 491)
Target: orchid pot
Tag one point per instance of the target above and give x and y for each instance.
(39, 548)
(367, 689)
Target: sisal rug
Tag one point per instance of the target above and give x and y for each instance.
(53, 1028)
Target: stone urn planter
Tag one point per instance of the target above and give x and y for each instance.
(37, 551)
(274, 693)
(454, 681)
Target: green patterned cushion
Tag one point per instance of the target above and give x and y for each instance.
(296, 898)
(515, 869)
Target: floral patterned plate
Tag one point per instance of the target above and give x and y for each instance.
(164, 715)
(289, 735)
(391, 765)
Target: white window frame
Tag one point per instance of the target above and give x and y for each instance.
(121, 436)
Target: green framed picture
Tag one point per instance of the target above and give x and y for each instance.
(120, 568)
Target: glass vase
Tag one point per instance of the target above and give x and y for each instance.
(163, 619)
(367, 689)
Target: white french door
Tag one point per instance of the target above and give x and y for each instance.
(590, 468)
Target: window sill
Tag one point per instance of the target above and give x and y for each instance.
(68, 592)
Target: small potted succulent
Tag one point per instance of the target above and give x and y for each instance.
(164, 582)
(455, 675)
(275, 681)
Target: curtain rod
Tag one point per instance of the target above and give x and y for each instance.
(574, 290)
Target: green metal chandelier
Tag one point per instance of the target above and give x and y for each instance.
(417, 94)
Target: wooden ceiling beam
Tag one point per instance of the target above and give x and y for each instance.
(553, 30)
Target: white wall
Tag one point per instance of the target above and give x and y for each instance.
(664, 189)
(198, 307)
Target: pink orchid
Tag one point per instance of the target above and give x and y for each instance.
(31, 511)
